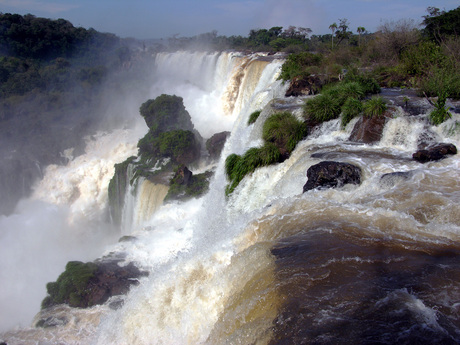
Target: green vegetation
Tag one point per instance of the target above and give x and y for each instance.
(71, 285)
(351, 108)
(283, 130)
(439, 114)
(281, 133)
(329, 104)
(166, 113)
(253, 117)
(197, 186)
(299, 65)
(176, 144)
(374, 107)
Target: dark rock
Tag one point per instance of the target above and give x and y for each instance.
(427, 138)
(434, 153)
(301, 86)
(182, 175)
(368, 130)
(390, 179)
(83, 285)
(51, 321)
(329, 174)
(216, 143)
(184, 185)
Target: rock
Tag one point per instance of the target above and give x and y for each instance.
(184, 185)
(216, 143)
(83, 285)
(329, 174)
(368, 130)
(182, 175)
(166, 113)
(301, 86)
(434, 153)
(390, 179)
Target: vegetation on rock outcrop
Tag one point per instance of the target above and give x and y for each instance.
(281, 133)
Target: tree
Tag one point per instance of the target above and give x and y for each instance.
(360, 30)
(342, 32)
(333, 27)
(441, 24)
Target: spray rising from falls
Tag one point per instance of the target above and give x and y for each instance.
(269, 264)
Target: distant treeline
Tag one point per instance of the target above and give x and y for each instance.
(437, 25)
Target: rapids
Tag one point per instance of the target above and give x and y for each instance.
(374, 263)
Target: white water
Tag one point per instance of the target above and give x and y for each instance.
(206, 255)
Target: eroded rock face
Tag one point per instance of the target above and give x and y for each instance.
(330, 174)
(435, 152)
(216, 143)
(368, 130)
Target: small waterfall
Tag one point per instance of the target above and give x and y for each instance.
(150, 197)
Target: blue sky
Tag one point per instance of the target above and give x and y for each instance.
(163, 18)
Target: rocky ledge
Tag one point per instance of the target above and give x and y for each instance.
(330, 174)
(83, 285)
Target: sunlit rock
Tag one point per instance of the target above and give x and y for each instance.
(329, 174)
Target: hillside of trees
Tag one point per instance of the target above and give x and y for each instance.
(56, 83)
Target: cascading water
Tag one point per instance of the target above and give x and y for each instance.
(374, 263)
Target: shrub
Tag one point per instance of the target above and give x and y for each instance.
(284, 130)
(440, 80)
(253, 117)
(341, 91)
(368, 84)
(439, 114)
(295, 65)
(375, 106)
(352, 108)
(281, 133)
(323, 107)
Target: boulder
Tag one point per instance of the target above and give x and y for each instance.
(216, 143)
(302, 86)
(83, 285)
(330, 174)
(435, 152)
(182, 175)
(391, 179)
(368, 130)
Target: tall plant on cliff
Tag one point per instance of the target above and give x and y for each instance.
(332, 27)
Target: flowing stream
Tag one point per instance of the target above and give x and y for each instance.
(377, 263)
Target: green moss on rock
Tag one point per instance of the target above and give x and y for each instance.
(166, 113)
(71, 286)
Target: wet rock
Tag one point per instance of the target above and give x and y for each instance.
(182, 175)
(299, 86)
(83, 285)
(390, 179)
(184, 185)
(52, 321)
(434, 153)
(330, 174)
(368, 130)
(216, 143)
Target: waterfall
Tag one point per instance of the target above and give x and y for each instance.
(269, 264)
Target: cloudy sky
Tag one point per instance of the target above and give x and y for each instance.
(164, 18)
